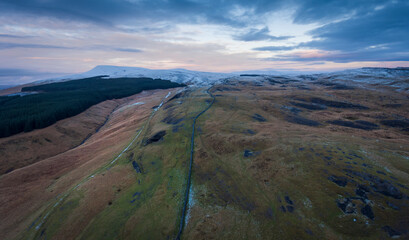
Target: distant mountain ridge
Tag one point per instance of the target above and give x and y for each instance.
(367, 75)
(397, 78)
(174, 75)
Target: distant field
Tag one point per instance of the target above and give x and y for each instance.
(57, 101)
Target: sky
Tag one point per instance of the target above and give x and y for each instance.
(42, 39)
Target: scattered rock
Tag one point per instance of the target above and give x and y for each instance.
(346, 205)
(386, 188)
(136, 167)
(282, 208)
(339, 180)
(378, 185)
(362, 190)
(248, 153)
(259, 118)
(367, 211)
(288, 200)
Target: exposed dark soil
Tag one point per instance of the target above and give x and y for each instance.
(360, 124)
(337, 104)
(340, 181)
(155, 138)
(396, 123)
(302, 121)
(172, 120)
(308, 106)
(259, 118)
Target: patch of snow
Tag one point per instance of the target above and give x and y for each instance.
(174, 75)
(394, 77)
(130, 105)
(138, 103)
(397, 78)
(190, 204)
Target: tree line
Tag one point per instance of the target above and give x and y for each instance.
(57, 101)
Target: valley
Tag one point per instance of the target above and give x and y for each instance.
(307, 157)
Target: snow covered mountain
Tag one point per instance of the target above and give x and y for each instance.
(397, 78)
(175, 75)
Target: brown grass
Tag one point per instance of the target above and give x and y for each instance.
(24, 191)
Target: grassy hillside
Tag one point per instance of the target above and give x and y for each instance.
(260, 170)
(57, 101)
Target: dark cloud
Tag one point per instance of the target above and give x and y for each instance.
(364, 30)
(113, 12)
(381, 35)
(274, 48)
(260, 35)
(110, 12)
(387, 26)
(8, 45)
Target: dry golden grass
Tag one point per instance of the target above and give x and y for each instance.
(24, 192)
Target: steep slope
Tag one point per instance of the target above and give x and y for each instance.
(26, 192)
(27, 148)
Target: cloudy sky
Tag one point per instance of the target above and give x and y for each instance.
(45, 38)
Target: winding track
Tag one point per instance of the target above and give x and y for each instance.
(182, 219)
